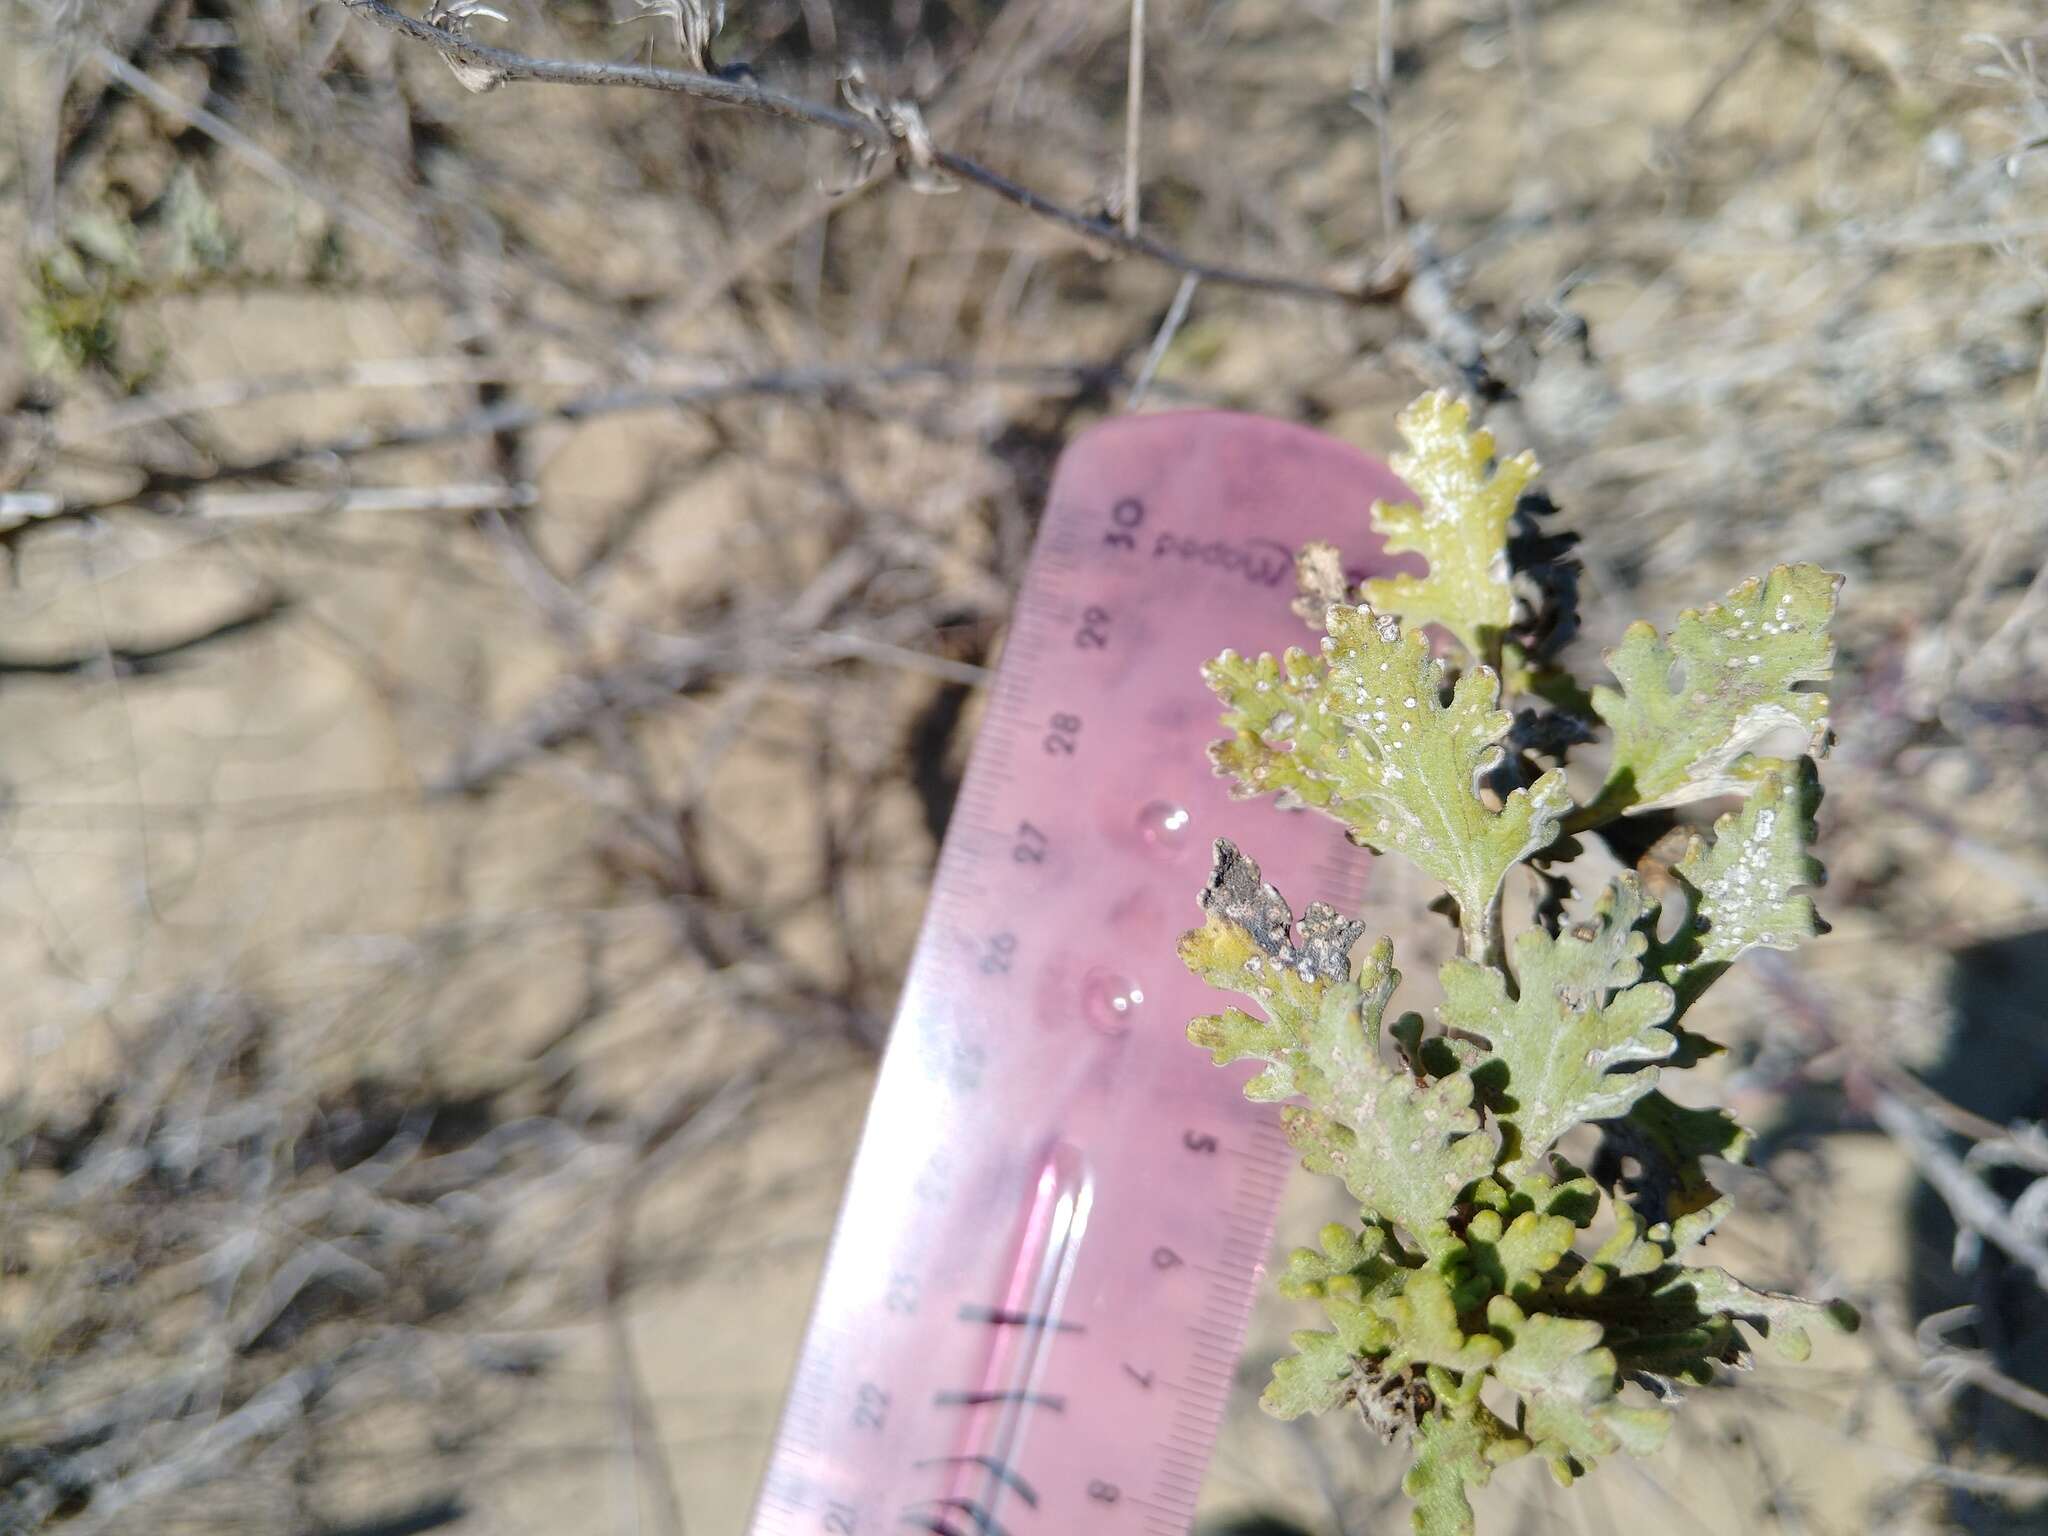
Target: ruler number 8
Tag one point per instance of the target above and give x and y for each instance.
(1059, 740)
(1093, 635)
(1104, 1493)
(1128, 515)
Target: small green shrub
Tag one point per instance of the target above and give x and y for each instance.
(1470, 1267)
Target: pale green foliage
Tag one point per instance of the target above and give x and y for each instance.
(1693, 707)
(1401, 1147)
(1750, 881)
(1469, 1264)
(1582, 1013)
(1458, 522)
(1361, 731)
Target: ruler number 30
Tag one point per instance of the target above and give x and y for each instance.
(1127, 516)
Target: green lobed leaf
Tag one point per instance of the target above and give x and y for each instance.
(1749, 883)
(1665, 1317)
(1362, 733)
(1314, 1379)
(1248, 946)
(1747, 888)
(1426, 1328)
(1693, 706)
(1582, 1012)
(1458, 522)
(1512, 1258)
(1455, 1451)
(1405, 1148)
(1568, 1381)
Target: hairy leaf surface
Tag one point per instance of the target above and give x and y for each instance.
(1458, 523)
(1363, 733)
(1693, 706)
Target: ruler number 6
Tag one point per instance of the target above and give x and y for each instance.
(1128, 515)
(1093, 635)
(1060, 739)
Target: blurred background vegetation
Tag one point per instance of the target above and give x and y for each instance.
(498, 589)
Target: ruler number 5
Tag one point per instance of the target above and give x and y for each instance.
(1128, 515)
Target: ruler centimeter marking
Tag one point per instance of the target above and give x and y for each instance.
(1060, 1212)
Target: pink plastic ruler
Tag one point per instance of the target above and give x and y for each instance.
(1060, 1213)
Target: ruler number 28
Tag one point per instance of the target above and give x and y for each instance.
(1062, 735)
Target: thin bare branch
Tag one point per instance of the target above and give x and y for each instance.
(511, 67)
(1134, 117)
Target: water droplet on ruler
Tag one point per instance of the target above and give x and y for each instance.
(1110, 1002)
(1163, 827)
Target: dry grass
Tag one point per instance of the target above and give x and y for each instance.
(499, 586)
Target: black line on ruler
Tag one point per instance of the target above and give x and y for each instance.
(999, 1317)
(1011, 1395)
(997, 1469)
(984, 1522)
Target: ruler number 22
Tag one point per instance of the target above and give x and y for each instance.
(870, 1407)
